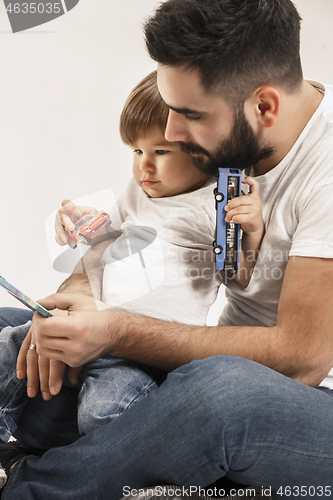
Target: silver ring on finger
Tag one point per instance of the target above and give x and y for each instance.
(32, 347)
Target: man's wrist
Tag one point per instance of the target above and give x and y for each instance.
(121, 338)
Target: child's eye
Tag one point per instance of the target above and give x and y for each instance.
(137, 151)
(161, 152)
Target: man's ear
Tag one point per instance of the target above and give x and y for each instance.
(268, 101)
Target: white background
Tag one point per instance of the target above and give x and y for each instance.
(63, 85)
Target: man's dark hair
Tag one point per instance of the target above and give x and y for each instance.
(236, 45)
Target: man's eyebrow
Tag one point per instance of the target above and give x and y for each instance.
(186, 111)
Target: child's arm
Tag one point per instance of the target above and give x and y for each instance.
(247, 211)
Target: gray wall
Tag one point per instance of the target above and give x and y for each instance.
(62, 89)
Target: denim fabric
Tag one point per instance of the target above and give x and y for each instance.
(222, 417)
(12, 390)
(214, 418)
(111, 385)
(16, 407)
(13, 316)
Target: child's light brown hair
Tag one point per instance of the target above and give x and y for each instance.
(144, 110)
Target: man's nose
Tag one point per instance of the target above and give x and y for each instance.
(176, 128)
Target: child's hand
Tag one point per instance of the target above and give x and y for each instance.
(66, 217)
(246, 210)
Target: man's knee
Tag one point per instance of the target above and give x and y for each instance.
(220, 384)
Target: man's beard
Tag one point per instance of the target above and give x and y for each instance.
(242, 149)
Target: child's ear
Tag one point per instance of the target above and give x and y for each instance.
(268, 101)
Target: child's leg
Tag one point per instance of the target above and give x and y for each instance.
(37, 424)
(13, 316)
(111, 385)
(13, 392)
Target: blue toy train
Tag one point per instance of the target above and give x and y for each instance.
(226, 245)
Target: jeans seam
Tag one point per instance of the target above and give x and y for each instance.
(142, 392)
(261, 445)
(300, 452)
(284, 447)
(11, 388)
(11, 480)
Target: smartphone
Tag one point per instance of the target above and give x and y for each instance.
(34, 306)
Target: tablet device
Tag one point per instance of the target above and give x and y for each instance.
(24, 299)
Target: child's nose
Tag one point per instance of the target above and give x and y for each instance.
(146, 165)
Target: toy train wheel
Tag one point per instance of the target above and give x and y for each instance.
(219, 196)
(217, 249)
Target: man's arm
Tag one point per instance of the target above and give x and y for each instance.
(300, 346)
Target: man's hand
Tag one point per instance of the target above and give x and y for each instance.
(47, 374)
(81, 335)
(40, 371)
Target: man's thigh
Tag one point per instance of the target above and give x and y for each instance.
(215, 418)
(226, 417)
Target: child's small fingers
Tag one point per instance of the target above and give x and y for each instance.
(253, 183)
(242, 210)
(69, 211)
(237, 202)
(240, 219)
(67, 222)
(60, 240)
(68, 207)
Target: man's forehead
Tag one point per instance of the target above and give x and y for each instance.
(179, 86)
(182, 91)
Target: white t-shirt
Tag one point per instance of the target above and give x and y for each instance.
(297, 200)
(163, 265)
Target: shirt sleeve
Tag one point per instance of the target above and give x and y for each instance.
(314, 234)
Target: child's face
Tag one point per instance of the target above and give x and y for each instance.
(161, 169)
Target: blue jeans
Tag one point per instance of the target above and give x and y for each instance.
(221, 417)
(15, 407)
(108, 385)
(12, 316)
